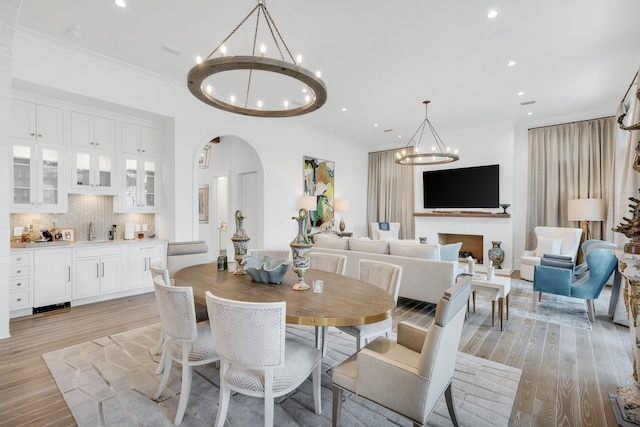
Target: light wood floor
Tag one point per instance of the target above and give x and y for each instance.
(567, 376)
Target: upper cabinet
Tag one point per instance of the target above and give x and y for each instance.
(36, 122)
(93, 132)
(140, 140)
(36, 179)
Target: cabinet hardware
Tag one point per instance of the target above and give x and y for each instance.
(97, 270)
(19, 258)
(32, 134)
(19, 299)
(39, 135)
(68, 273)
(19, 284)
(19, 271)
(103, 269)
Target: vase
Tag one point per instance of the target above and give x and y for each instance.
(496, 254)
(240, 241)
(301, 249)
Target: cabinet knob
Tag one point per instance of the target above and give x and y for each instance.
(32, 134)
(19, 271)
(39, 135)
(143, 151)
(91, 143)
(19, 284)
(19, 299)
(97, 143)
(19, 258)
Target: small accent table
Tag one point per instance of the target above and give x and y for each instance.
(499, 288)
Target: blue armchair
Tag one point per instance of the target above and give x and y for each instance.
(601, 263)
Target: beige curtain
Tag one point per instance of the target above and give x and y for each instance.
(571, 161)
(390, 192)
(628, 143)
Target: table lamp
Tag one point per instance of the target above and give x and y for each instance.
(585, 210)
(341, 205)
(309, 203)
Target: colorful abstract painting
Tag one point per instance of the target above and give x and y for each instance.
(319, 182)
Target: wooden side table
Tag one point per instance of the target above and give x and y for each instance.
(345, 233)
(499, 288)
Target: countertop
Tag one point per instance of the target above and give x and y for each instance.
(64, 243)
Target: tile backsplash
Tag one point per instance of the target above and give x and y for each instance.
(84, 209)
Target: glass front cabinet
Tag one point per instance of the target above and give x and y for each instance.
(93, 172)
(140, 177)
(36, 179)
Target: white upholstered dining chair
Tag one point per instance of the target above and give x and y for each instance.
(331, 263)
(408, 376)
(254, 359)
(157, 269)
(387, 277)
(187, 342)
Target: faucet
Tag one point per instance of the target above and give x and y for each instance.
(92, 234)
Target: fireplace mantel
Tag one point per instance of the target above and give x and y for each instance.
(463, 214)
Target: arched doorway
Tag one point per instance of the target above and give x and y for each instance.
(231, 179)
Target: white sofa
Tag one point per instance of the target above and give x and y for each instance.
(423, 279)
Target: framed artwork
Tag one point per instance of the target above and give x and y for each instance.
(203, 204)
(68, 234)
(318, 181)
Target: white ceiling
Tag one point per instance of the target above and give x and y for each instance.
(380, 60)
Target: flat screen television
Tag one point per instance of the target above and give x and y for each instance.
(475, 187)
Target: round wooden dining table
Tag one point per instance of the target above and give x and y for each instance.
(344, 301)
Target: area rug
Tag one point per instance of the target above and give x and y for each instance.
(553, 308)
(111, 381)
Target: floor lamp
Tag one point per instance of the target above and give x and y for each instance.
(585, 210)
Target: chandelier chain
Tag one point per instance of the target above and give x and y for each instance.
(232, 32)
(270, 19)
(253, 52)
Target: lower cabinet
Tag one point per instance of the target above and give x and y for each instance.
(20, 280)
(52, 276)
(98, 271)
(140, 258)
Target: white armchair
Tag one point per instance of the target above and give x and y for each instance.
(392, 234)
(409, 376)
(551, 240)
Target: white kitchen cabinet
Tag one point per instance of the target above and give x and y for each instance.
(139, 192)
(98, 270)
(20, 280)
(140, 140)
(36, 179)
(141, 257)
(52, 277)
(35, 122)
(93, 172)
(93, 132)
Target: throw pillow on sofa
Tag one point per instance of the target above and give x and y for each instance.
(450, 252)
(414, 250)
(548, 246)
(367, 245)
(330, 241)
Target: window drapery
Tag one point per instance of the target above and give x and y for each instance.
(390, 192)
(571, 161)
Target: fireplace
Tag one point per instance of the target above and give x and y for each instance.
(472, 244)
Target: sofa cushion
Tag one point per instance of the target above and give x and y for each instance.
(450, 252)
(330, 241)
(548, 246)
(414, 250)
(367, 245)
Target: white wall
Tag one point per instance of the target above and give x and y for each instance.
(9, 11)
(478, 147)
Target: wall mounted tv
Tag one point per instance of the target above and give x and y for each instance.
(476, 187)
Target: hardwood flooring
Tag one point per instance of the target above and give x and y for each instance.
(567, 373)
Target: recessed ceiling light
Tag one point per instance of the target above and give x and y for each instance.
(492, 14)
(511, 63)
(120, 3)
(344, 108)
(530, 113)
(520, 93)
(399, 136)
(375, 124)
